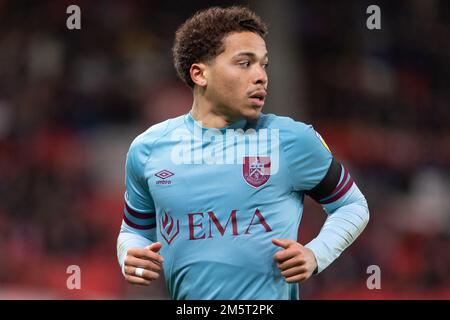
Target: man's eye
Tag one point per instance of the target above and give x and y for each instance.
(265, 65)
(245, 63)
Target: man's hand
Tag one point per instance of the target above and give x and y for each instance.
(148, 259)
(296, 262)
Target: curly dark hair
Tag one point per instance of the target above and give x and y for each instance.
(199, 39)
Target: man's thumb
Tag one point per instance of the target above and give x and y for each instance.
(155, 247)
(280, 242)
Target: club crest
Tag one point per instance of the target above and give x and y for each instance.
(256, 170)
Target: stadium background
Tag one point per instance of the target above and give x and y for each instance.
(72, 101)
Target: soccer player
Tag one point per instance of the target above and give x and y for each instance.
(214, 198)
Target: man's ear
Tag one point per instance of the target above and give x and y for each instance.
(199, 74)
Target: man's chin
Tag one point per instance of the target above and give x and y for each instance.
(253, 113)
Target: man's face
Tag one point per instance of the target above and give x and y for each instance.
(237, 78)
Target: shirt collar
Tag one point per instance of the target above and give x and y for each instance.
(192, 123)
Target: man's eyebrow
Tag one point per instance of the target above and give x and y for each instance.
(250, 55)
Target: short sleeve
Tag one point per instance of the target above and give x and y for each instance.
(308, 156)
(137, 194)
(139, 211)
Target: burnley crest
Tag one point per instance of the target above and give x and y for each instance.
(256, 170)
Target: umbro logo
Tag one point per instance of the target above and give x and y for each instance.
(164, 174)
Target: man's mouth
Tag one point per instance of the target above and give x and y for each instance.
(257, 98)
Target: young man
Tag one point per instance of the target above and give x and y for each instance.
(214, 198)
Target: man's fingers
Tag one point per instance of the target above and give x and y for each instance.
(137, 280)
(296, 271)
(142, 263)
(286, 254)
(145, 254)
(155, 247)
(293, 260)
(298, 278)
(147, 274)
(291, 263)
(284, 243)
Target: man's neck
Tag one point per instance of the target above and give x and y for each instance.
(203, 111)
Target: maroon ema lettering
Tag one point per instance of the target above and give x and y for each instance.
(199, 230)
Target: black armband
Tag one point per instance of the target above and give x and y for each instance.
(328, 183)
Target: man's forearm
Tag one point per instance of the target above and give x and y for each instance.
(127, 239)
(343, 225)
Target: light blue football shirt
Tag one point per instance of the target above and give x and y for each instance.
(215, 199)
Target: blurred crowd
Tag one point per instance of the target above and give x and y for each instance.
(72, 101)
(381, 98)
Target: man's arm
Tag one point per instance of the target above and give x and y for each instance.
(315, 172)
(348, 216)
(136, 243)
(137, 251)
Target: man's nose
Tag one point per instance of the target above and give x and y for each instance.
(260, 76)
